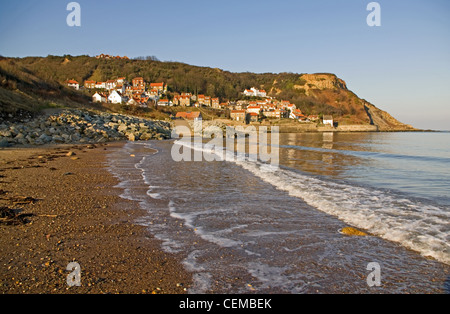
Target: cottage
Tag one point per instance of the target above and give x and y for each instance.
(254, 109)
(138, 82)
(185, 100)
(115, 97)
(297, 114)
(215, 103)
(253, 92)
(100, 85)
(158, 86)
(73, 84)
(89, 84)
(120, 81)
(238, 115)
(328, 120)
(110, 84)
(196, 116)
(273, 113)
(164, 102)
(254, 116)
(99, 97)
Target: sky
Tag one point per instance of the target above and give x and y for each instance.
(401, 66)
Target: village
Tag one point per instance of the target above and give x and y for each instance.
(255, 106)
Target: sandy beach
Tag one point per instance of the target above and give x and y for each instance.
(60, 205)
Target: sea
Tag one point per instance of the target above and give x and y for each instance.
(241, 225)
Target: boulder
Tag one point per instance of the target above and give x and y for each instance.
(352, 232)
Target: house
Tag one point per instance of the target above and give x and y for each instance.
(164, 102)
(238, 115)
(254, 117)
(328, 120)
(73, 84)
(201, 99)
(89, 84)
(139, 83)
(158, 86)
(254, 109)
(185, 100)
(120, 88)
(253, 92)
(110, 84)
(100, 97)
(215, 103)
(100, 85)
(115, 97)
(120, 81)
(296, 114)
(273, 113)
(207, 101)
(196, 116)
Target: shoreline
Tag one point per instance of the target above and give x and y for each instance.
(74, 213)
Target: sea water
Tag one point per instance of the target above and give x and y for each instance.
(242, 227)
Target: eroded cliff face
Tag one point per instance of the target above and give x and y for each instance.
(330, 89)
(321, 82)
(384, 120)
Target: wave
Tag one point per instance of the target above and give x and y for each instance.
(414, 224)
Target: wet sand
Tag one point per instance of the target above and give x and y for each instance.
(67, 209)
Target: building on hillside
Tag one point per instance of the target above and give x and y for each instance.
(328, 120)
(253, 92)
(238, 115)
(121, 81)
(254, 109)
(111, 84)
(89, 84)
(100, 97)
(273, 113)
(164, 102)
(185, 100)
(196, 116)
(253, 117)
(139, 82)
(100, 85)
(159, 86)
(201, 99)
(115, 97)
(73, 84)
(215, 103)
(207, 101)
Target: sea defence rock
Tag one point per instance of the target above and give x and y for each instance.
(81, 126)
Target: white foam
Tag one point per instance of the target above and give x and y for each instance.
(420, 227)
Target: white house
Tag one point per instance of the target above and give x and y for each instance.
(99, 97)
(328, 120)
(254, 109)
(164, 102)
(73, 84)
(253, 92)
(111, 84)
(100, 85)
(115, 97)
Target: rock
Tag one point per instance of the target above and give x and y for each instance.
(131, 137)
(5, 133)
(70, 154)
(352, 232)
(122, 128)
(4, 143)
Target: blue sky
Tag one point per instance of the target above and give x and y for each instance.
(402, 67)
